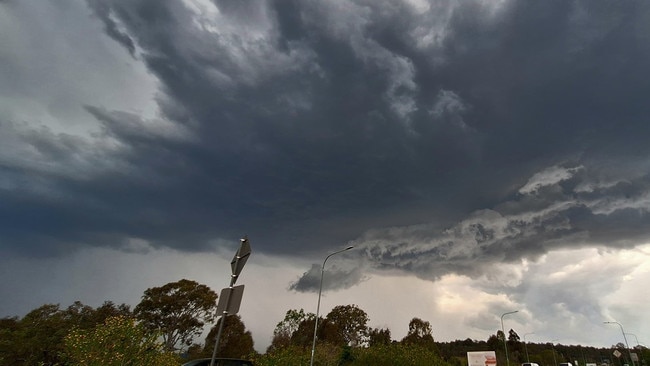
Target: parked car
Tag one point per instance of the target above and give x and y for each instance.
(529, 364)
(219, 362)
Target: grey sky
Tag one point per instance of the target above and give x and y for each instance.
(438, 137)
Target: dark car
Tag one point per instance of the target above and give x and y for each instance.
(218, 362)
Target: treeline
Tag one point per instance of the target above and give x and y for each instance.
(543, 354)
(160, 330)
(163, 329)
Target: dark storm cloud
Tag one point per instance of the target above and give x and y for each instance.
(309, 124)
(558, 208)
(336, 278)
(102, 11)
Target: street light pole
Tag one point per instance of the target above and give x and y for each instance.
(634, 335)
(505, 340)
(526, 347)
(638, 345)
(553, 347)
(320, 290)
(625, 338)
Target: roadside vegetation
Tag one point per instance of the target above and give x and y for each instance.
(163, 329)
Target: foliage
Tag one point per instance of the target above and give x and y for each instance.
(455, 352)
(235, 341)
(493, 341)
(328, 354)
(500, 336)
(540, 353)
(396, 354)
(109, 310)
(346, 356)
(325, 355)
(37, 338)
(8, 328)
(285, 329)
(304, 335)
(284, 356)
(120, 341)
(419, 334)
(346, 325)
(419, 330)
(178, 310)
(378, 336)
(513, 336)
(40, 336)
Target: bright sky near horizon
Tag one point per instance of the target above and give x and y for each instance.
(480, 156)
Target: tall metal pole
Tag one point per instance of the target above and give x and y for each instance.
(625, 338)
(526, 347)
(320, 290)
(634, 335)
(553, 347)
(222, 322)
(505, 340)
(638, 345)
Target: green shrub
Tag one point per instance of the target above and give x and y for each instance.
(396, 354)
(120, 341)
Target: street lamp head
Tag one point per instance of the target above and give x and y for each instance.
(350, 247)
(509, 312)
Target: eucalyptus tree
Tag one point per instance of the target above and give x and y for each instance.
(178, 310)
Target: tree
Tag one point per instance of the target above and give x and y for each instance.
(514, 345)
(513, 336)
(119, 341)
(303, 336)
(493, 341)
(235, 341)
(378, 336)
(8, 331)
(285, 329)
(500, 336)
(419, 334)
(37, 338)
(40, 334)
(109, 310)
(179, 310)
(79, 315)
(419, 331)
(346, 325)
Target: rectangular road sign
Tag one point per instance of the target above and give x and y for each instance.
(230, 300)
(481, 358)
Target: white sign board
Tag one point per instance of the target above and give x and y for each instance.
(482, 358)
